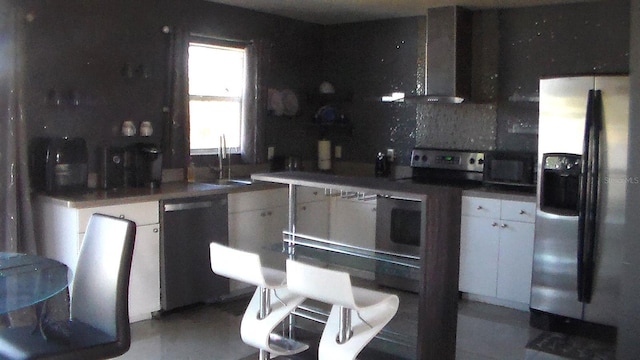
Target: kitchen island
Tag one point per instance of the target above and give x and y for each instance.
(439, 247)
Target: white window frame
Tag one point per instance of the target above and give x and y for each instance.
(215, 150)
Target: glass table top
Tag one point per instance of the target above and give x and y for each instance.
(26, 280)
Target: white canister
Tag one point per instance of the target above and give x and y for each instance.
(324, 155)
(128, 128)
(146, 129)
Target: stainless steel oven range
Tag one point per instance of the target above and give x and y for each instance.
(398, 220)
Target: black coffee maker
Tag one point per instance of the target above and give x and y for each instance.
(142, 165)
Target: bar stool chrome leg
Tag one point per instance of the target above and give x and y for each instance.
(344, 333)
(265, 309)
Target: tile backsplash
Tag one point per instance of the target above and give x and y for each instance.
(462, 126)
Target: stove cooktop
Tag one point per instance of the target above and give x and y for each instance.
(459, 168)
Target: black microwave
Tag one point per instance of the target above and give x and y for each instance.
(509, 168)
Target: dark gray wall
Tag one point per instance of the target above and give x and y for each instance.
(551, 41)
(365, 61)
(82, 46)
(512, 49)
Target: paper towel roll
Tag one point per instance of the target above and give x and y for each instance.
(324, 155)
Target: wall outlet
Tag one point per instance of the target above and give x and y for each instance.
(271, 152)
(338, 152)
(391, 155)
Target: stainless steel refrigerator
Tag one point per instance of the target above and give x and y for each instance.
(582, 181)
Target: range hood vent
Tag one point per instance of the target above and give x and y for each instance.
(448, 68)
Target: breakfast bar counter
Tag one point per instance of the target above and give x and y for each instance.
(439, 246)
(168, 190)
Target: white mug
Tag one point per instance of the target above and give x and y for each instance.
(146, 129)
(128, 128)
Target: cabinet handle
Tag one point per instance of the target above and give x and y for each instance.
(155, 230)
(263, 214)
(479, 207)
(315, 193)
(522, 212)
(494, 224)
(121, 216)
(269, 213)
(503, 226)
(304, 208)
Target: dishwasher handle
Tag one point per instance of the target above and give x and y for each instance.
(188, 206)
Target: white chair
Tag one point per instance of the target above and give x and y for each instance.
(344, 336)
(263, 313)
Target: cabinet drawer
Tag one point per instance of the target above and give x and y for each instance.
(482, 207)
(143, 213)
(256, 200)
(518, 211)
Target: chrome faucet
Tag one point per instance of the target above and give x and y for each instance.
(222, 154)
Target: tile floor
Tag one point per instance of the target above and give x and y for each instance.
(212, 332)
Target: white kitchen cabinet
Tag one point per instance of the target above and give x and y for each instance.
(61, 229)
(353, 222)
(496, 249)
(312, 212)
(479, 249)
(144, 284)
(256, 221)
(515, 261)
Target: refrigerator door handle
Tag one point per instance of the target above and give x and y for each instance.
(589, 196)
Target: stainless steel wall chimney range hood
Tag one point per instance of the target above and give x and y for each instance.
(448, 68)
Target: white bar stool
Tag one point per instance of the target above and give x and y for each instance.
(344, 336)
(263, 313)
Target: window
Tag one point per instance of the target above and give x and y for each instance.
(216, 95)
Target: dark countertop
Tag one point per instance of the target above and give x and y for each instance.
(169, 190)
(370, 185)
(501, 194)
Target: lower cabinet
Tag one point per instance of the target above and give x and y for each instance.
(61, 231)
(144, 284)
(353, 222)
(312, 212)
(256, 221)
(496, 249)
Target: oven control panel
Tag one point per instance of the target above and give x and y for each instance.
(447, 159)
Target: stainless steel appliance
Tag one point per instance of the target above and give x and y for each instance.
(398, 220)
(188, 226)
(510, 169)
(582, 180)
(59, 165)
(143, 165)
(110, 167)
(454, 167)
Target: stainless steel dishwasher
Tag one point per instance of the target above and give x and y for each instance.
(188, 226)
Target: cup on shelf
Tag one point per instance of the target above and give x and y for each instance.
(128, 128)
(146, 129)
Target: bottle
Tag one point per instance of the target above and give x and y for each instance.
(382, 166)
(191, 171)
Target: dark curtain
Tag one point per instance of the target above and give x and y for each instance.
(258, 55)
(16, 219)
(175, 135)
